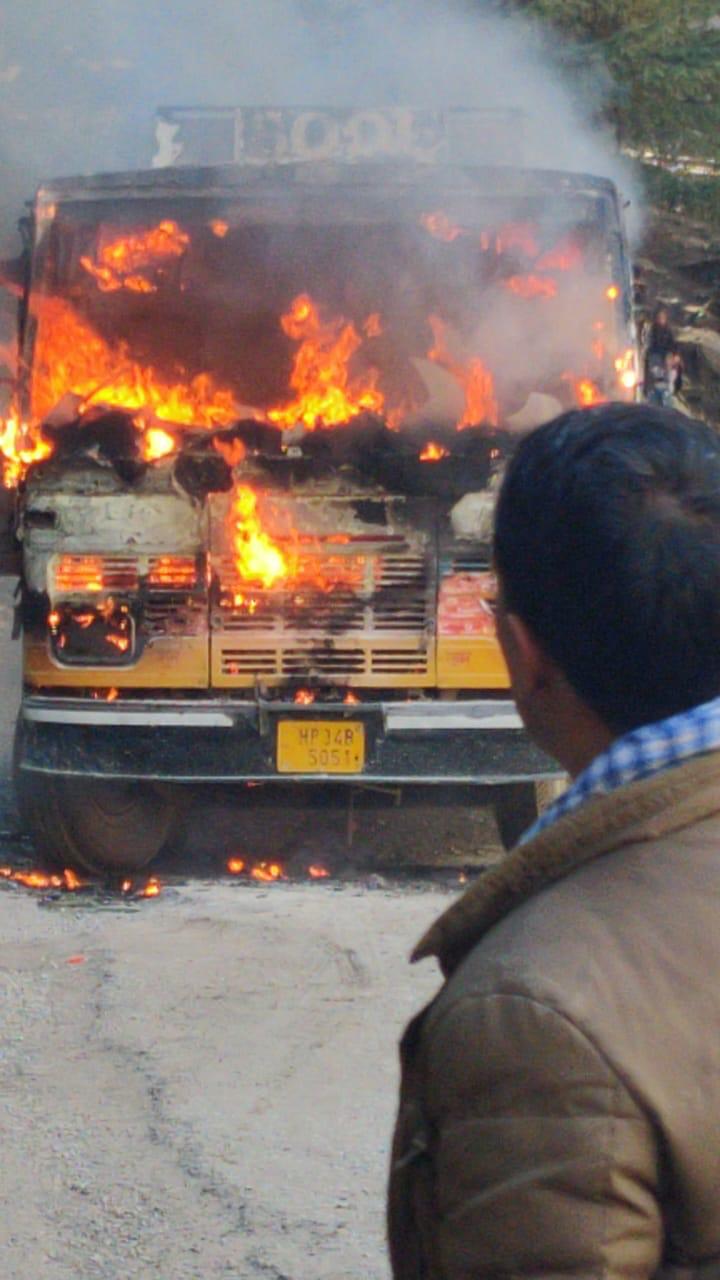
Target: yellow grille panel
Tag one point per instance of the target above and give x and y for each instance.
(362, 664)
(374, 627)
(168, 663)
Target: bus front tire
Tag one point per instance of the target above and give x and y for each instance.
(94, 825)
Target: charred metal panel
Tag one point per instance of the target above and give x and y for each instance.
(115, 591)
(86, 510)
(10, 554)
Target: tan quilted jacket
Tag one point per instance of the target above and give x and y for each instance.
(560, 1103)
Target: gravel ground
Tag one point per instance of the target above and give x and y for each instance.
(202, 1085)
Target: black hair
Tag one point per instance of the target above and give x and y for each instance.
(607, 544)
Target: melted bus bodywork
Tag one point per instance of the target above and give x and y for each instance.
(269, 405)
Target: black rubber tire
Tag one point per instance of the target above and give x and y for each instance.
(94, 825)
(518, 804)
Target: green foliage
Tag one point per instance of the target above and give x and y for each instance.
(695, 196)
(663, 57)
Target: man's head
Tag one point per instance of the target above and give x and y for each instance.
(607, 546)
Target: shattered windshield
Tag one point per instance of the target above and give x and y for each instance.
(311, 312)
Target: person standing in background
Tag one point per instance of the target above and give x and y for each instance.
(663, 363)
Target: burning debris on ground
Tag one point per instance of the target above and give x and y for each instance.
(253, 874)
(268, 872)
(90, 893)
(68, 882)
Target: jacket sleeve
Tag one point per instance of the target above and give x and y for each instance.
(542, 1162)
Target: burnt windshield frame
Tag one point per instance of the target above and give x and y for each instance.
(78, 225)
(281, 207)
(477, 210)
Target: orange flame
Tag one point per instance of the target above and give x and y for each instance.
(586, 392)
(261, 562)
(257, 558)
(233, 451)
(480, 402)
(71, 357)
(69, 880)
(325, 393)
(474, 378)
(19, 448)
(626, 369)
(304, 698)
(77, 574)
(236, 866)
(173, 571)
(433, 452)
(531, 286)
(266, 872)
(318, 873)
(72, 360)
(157, 443)
(120, 264)
(151, 889)
(119, 642)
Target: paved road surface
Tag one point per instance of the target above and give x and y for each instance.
(202, 1085)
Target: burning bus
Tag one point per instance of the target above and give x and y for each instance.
(266, 392)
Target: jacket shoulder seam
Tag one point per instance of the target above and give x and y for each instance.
(483, 997)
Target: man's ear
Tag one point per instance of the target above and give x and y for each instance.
(528, 666)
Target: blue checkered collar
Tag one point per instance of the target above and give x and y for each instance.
(638, 754)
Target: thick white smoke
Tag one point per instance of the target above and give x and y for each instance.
(80, 79)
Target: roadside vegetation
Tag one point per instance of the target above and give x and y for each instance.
(653, 66)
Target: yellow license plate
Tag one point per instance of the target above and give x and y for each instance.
(320, 746)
